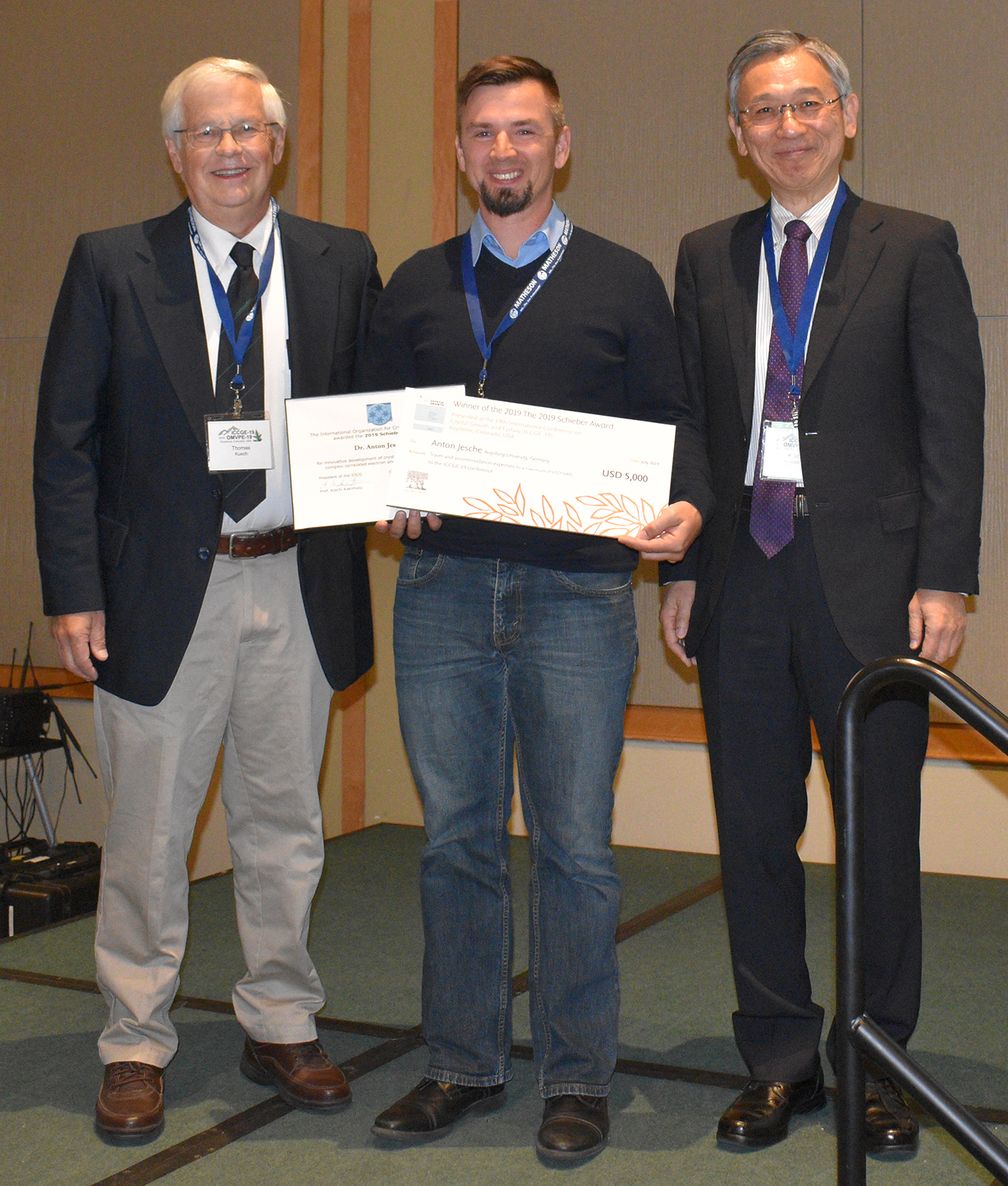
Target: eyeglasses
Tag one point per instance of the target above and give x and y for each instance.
(209, 135)
(805, 112)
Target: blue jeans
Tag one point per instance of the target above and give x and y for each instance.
(491, 656)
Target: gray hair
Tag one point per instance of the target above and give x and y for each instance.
(206, 68)
(773, 43)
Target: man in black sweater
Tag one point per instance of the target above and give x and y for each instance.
(510, 636)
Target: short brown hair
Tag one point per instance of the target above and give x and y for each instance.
(505, 69)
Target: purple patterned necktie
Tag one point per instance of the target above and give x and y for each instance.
(771, 520)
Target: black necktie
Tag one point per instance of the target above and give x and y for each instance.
(243, 489)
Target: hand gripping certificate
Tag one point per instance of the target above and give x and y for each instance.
(538, 467)
(341, 450)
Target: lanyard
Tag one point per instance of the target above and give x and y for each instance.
(525, 297)
(793, 344)
(241, 341)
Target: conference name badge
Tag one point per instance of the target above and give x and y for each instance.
(781, 453)
(236, 442)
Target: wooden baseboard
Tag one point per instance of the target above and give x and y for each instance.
(56, 680)
(947, 740)
(644, 722)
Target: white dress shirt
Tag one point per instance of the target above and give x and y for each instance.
(276, 510)
(815, 219)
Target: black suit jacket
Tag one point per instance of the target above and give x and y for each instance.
(127, 514)
(890, 422)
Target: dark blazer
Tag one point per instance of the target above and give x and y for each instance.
(890, 422)
(127, 514)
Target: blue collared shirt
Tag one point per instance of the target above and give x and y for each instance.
(540, 241)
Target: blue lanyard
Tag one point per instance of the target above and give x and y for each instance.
(241, 341)
(525, 297)
(793, 344)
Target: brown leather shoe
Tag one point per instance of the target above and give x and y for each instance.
(301, 1072)
(130, 1104)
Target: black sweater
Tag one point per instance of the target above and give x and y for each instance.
(598, 338)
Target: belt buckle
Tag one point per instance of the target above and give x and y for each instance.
(238, 535)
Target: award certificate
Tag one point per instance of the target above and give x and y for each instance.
(535, 466)
(341, 450)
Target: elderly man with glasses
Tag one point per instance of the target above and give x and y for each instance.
(834, 347)
(175, 581)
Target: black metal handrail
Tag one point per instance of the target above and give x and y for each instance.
(863, 1035)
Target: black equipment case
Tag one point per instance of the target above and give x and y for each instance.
(39, 885)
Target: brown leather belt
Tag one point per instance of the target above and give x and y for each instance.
(801, 503)
(246, 545)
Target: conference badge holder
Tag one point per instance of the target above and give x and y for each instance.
(781, 454)
(237, 440)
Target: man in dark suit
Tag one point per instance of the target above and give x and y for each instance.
(848, 484)
(176, 583)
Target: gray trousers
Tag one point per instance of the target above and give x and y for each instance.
(250, 678)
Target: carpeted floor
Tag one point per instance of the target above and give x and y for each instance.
(678, 1067)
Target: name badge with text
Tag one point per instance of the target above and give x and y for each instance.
(234, 442)
(781, 454)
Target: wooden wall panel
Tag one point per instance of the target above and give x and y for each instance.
(311, 61)
(358, 136)
(446, 18)
(402, 163)
(335, 87)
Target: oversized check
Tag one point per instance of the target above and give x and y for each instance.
(341, 451)
(539, 467)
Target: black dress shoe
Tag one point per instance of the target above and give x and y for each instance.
(574, 1127)
(431, 1108)
(760, 1115)
(890, 1130)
